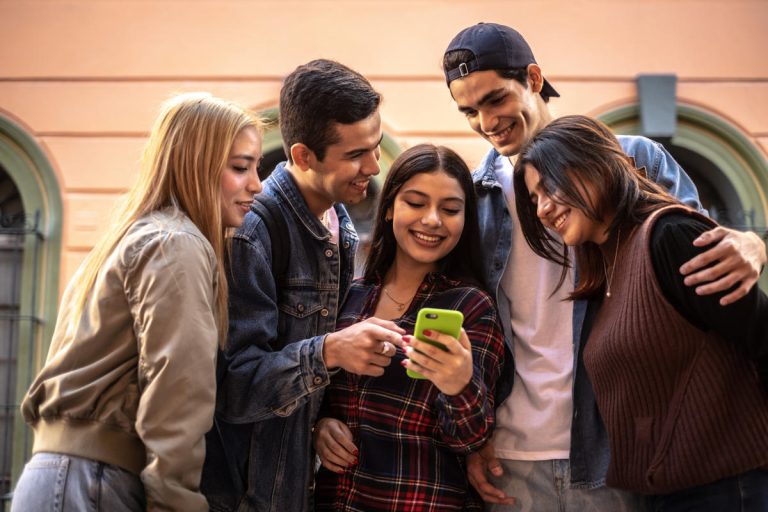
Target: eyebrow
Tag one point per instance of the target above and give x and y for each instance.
(485, 99)
(422, 194)
(353, 152)
(531, 192)
(245, 157)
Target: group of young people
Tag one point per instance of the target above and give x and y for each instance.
(613, 355)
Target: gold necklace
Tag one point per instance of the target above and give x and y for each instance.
(613, 267)
(399, 305)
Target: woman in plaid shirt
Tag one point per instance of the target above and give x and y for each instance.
(393, 443)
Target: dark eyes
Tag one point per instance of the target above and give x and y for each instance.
(497, 101)
(448, 211)
(240, 169)
(494, 102)
(355, 156)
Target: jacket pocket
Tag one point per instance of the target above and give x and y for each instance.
(286, 410)
(299, 308)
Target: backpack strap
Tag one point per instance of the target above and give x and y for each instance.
(266, 207)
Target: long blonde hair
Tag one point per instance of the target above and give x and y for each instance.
(181, 167)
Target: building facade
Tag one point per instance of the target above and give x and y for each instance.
(81, 82)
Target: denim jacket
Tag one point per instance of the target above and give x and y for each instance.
(272, 375)
(589, 454)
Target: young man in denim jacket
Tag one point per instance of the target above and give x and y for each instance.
(279, 355)
(549, 448)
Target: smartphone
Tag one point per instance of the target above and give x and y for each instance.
(446, 321)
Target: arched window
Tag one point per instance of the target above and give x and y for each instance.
(729, 171)
(30, 248)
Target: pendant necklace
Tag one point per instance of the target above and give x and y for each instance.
(398, 305)
(613, 267)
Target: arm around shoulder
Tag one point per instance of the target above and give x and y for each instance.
(732, 261)
(739, 256)
(743, 322)
(661, 167)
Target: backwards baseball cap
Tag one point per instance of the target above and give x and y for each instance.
(493, 46)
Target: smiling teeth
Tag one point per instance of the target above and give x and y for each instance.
(501, 134)
(427, 238)
(559, 221)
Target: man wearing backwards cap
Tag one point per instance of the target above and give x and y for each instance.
(549, 449)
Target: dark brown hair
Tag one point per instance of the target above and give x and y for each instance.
(316, 96)
(569, 153)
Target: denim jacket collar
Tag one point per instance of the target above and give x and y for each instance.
(485, 175)
(281, 183)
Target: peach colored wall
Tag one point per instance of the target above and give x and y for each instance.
(86, 76)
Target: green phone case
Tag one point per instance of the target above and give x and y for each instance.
(446, 321)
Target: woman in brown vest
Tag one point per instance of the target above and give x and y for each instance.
(681, 381)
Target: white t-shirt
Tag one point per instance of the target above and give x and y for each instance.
(534, 422)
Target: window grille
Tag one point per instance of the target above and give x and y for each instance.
(20, 243)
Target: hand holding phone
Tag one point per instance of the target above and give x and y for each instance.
(446, 321)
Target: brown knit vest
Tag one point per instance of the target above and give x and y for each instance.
(682, 407)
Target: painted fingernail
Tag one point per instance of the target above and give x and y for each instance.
(428, 333)
(404, 362)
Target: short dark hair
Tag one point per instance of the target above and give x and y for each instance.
(318, 94)
(569, 153)
(464, 261)
(454, 58)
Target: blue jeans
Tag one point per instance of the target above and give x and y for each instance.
(543, 485)
(53, 482)
(747, 492)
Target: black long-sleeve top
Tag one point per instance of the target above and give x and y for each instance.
(743, 323)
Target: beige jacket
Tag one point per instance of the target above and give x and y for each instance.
(134, 385)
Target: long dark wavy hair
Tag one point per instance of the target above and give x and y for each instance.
(569, 153)
(463, 262)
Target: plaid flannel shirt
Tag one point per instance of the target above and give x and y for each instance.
(412, 439)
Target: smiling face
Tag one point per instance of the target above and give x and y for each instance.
(572, 224)
(240, 178)
(427, 218)
(347, 167)
(502, 110)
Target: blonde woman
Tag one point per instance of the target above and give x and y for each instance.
(127, 393)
